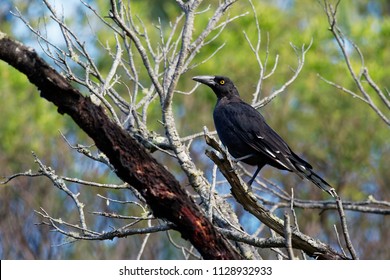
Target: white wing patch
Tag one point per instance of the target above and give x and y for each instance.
(282, 164)
(304, 170)
(273, 155)
(270, 153)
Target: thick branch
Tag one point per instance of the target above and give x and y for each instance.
(132, 163)
(245, 197)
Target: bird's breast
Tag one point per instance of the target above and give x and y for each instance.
(230, 133)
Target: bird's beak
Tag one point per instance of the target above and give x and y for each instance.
(207, 80)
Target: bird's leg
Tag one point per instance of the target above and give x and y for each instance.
(242, 158)
(236, 160)
(254, 176)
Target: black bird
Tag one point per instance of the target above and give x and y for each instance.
(248, 138)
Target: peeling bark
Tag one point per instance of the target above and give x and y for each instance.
(133, 163)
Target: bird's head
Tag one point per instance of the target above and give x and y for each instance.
(222, 86)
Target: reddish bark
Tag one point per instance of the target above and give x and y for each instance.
(133, 163)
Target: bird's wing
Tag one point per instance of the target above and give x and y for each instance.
(241, 121)
(252, 128)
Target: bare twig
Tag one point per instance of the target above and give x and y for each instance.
(287, 236)
(163, 63)
(363, 94)
(295, 219)
(245, 197)
(59, 183)
(345, 228)
(339, 241)
(301, 54)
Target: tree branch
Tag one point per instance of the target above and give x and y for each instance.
(132, 163)
(364, 95)
(246, 198)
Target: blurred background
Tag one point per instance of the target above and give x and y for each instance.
(339, 135)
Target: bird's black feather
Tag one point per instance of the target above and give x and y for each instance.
(243, 130)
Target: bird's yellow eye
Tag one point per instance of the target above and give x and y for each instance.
(222, 82)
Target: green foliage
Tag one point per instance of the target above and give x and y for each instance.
(29, 123)
(329, 127)
(341, 136)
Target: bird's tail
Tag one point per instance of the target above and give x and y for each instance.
(317, 180)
